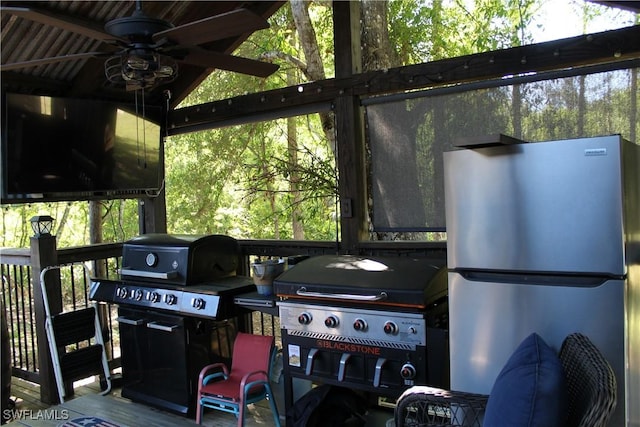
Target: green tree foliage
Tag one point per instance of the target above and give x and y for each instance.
(71, 226)
(237, 180)
(238, 183)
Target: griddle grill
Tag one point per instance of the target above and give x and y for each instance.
(376, 324)
(400, 282)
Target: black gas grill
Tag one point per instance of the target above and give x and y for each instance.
(175, 299)
(377, 324)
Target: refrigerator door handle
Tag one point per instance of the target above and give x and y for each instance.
(526, 278)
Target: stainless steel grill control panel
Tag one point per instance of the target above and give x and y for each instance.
(173, 300)
(385, 328)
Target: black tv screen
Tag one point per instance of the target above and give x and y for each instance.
(56, 149)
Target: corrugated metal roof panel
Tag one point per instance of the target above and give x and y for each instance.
(23, 38)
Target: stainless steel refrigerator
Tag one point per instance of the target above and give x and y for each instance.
(544, 237)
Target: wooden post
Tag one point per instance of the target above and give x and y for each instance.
(44, 254)
(152, 211)
(349, 128)
(152, 214)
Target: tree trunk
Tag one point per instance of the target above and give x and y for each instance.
(296, 211)
(63, 221)
(377, 52)
(314, 66)
(307, 38)
(95, 222)
(398, 143)
(269, 192)
(294, 177)
(582, 105)
(24, 227)
(516, 108)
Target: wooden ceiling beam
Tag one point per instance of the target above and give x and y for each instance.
(605, 47)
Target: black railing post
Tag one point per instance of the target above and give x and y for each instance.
(44, 254)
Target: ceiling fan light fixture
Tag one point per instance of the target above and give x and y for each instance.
(140, 69)
(138, 63)
(166, 71)
(113, 68)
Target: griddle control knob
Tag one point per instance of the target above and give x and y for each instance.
(154, 296)
(122, 292)
(170, 299)
(360, 325)
(390, 328)
(305, 318)
(408, 371)
(198, 303)
(331, 321)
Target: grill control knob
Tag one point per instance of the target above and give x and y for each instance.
(138, 294)
(390, 328)
(198, 303)
(360, 325)
(122, 292)
(154, 296)
(331, 321)
(305, 318)
(170, 299)
(408, 371)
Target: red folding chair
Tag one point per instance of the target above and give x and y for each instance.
(247, 382)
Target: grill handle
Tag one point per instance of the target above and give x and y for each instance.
(149, 274)
(302, 292)
(161, 327)
(132, 322)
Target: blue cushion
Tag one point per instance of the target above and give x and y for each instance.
(530, 391)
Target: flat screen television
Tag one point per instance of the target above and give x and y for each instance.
(66, 149)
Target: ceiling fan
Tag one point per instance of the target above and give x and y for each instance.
(145, 51)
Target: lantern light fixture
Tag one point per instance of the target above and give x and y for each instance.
(41, 225)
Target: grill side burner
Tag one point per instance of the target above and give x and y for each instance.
(375, 324)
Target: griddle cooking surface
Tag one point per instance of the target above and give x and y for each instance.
(363, 272)
(347, 279)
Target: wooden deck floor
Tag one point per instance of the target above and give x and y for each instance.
(122, 412)
(116, 410)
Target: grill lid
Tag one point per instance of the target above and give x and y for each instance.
(179, 259)
(395, 281)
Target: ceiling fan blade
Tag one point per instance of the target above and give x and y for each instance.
(64, 22)
(210, 59)
(47, 61)
(216, 27)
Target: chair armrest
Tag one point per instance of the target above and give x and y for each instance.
(245, 385)
(212, 371)
(430, 406)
